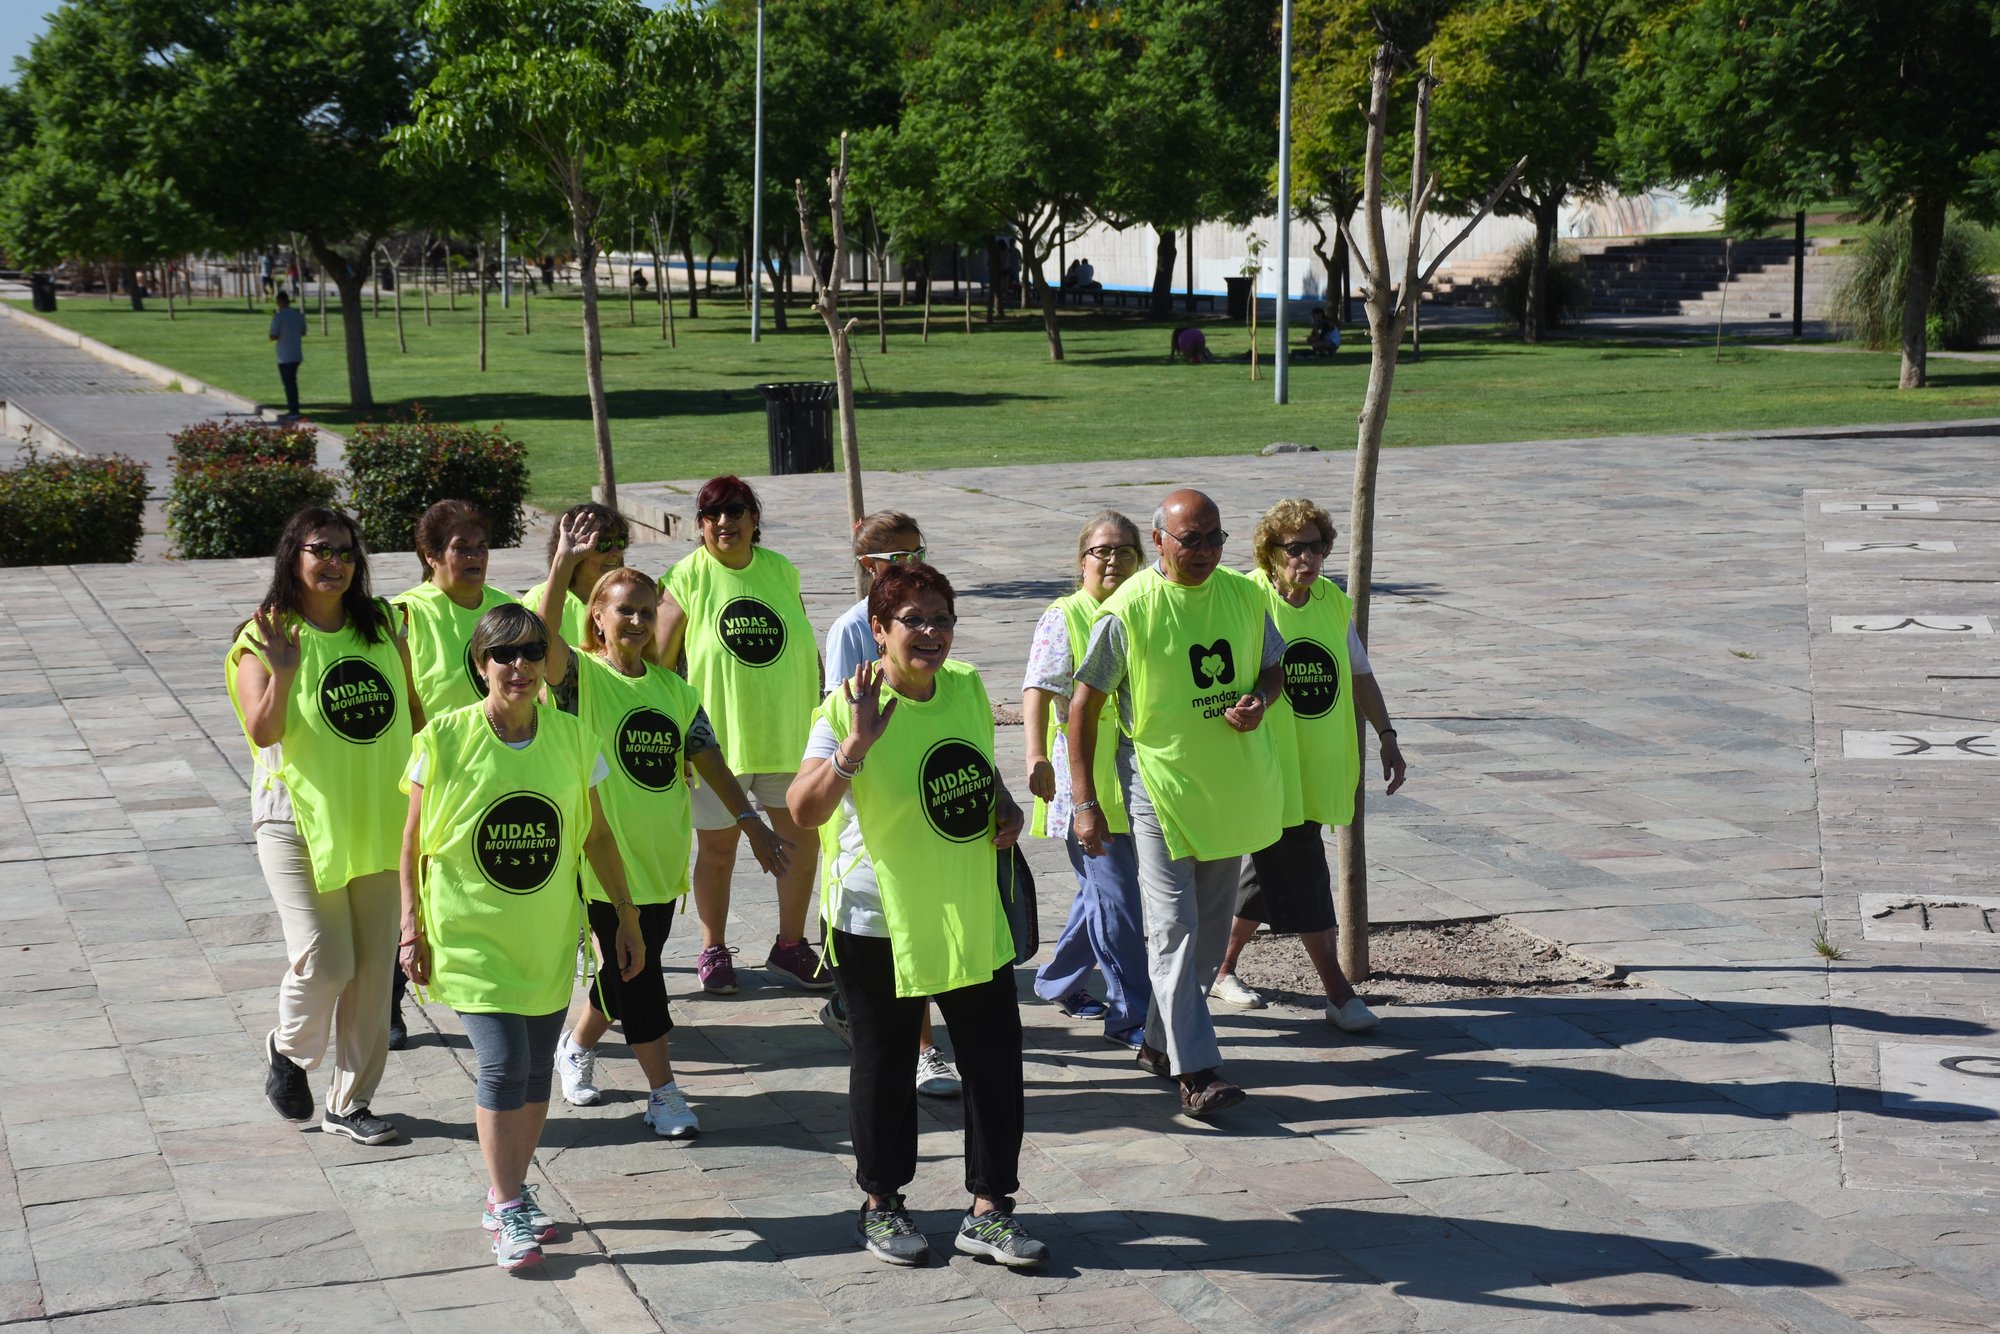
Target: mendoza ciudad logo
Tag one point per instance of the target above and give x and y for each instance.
(1213, 665)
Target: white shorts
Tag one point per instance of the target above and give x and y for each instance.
(710, 813)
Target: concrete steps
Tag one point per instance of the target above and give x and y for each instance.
(1673, 276)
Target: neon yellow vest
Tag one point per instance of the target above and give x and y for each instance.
(750, 656)
(1318, 752)
(441, 645)
(347, 733)
(1193, 652)
(1078, 610)
(642, 723)
(925, 799)
(574, 613)
(503, 830)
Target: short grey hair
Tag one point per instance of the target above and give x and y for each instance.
(1159, 518)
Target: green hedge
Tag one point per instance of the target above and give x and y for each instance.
(397, 470)
(68, 510)
(236, 483)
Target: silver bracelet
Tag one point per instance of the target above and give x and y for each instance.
(1086, 806)
(840, 770)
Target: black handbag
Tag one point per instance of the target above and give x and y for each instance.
(1017, 896)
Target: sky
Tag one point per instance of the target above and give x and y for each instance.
(20, 22)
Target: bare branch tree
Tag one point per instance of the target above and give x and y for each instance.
(1390, 312)
(826, 300)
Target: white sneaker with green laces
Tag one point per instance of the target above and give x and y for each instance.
(668, 1113)
(515, 1245)
(538, 1217)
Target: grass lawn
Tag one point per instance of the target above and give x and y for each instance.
(994, 395)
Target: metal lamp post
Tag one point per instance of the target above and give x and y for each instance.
(1281, 363)
(757, 195)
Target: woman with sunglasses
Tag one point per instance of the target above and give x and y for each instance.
(882, 540)
(651, 724)
(320, 681)
(438, 617)
(1327, 679)
(900, 781)
(502, 803)
(732, 608)
(1106, 929)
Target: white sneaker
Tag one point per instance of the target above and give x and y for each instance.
(935, 1077)
(577, 1067)
(668, 1113)
(1229, 989)
(1353, 1017)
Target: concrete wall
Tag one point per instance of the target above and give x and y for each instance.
(1126, 259)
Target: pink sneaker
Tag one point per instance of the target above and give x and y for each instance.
(716, 970)
(796, 961)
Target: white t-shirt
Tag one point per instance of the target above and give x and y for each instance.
(849, 643)
(860, 903)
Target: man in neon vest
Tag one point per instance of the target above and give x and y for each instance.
(1189, 652)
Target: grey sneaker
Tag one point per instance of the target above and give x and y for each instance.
(360, 1125)
(890, 1234)
(577, 1068)
(1000, 1236)
(935, 1077)
(539, 1222)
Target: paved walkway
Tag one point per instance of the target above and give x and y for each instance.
(1617, 671)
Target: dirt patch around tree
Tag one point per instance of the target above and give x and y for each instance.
(1434, 961)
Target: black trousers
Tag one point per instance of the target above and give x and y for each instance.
(985, 1021)
(288, 372)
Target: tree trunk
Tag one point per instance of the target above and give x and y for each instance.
(479, 265)
(687, 253)
(527, 296)
(1926, 240)
(1163, 275)
(1534, 322)
(1048, 307)
(927, 300)
(396, 279)
(666, 283)
(354, 328)
(424, 285)
(881, 329)
(170, 292)
(826, 299)
(1336, 280)
(593, 362)
(631, 245)
(777, 267)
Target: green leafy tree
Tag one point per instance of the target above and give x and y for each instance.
(1018, 126)
(1539, 77)
(559, 86)
(266, 116)
(1193, 116)
(1778, 102)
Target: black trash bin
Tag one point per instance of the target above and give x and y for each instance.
(799, 419)
(42, 288)
(1239, 297)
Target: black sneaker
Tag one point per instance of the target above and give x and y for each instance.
(1000, 1236)
(890, 1234)
(360, 1125)
(285, 1083)
(399, 1036)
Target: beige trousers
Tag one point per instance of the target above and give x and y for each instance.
(342, 948)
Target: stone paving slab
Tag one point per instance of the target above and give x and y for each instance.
(1613, 667)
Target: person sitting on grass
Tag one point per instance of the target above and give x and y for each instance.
(1190, 345)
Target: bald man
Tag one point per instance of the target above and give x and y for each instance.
(1190, 654)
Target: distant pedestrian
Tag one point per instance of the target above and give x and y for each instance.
(1190, 345)
(288, 327)
(267, 269)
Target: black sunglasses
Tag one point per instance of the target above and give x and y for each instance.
(532, 651)
(1193, 540)
(1299, 550)
(729, 512)
(327, 551)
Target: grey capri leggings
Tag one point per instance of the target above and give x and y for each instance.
(516, 1054)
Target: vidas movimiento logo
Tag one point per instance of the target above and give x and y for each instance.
(649, 749)
(957, 791)
(1211, 663)
(356, 701)
(517, 842)
(1312, 678)
(751, 631)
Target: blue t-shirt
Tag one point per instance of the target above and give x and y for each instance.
(288, 326)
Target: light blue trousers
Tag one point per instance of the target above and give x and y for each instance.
(1106, 931)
